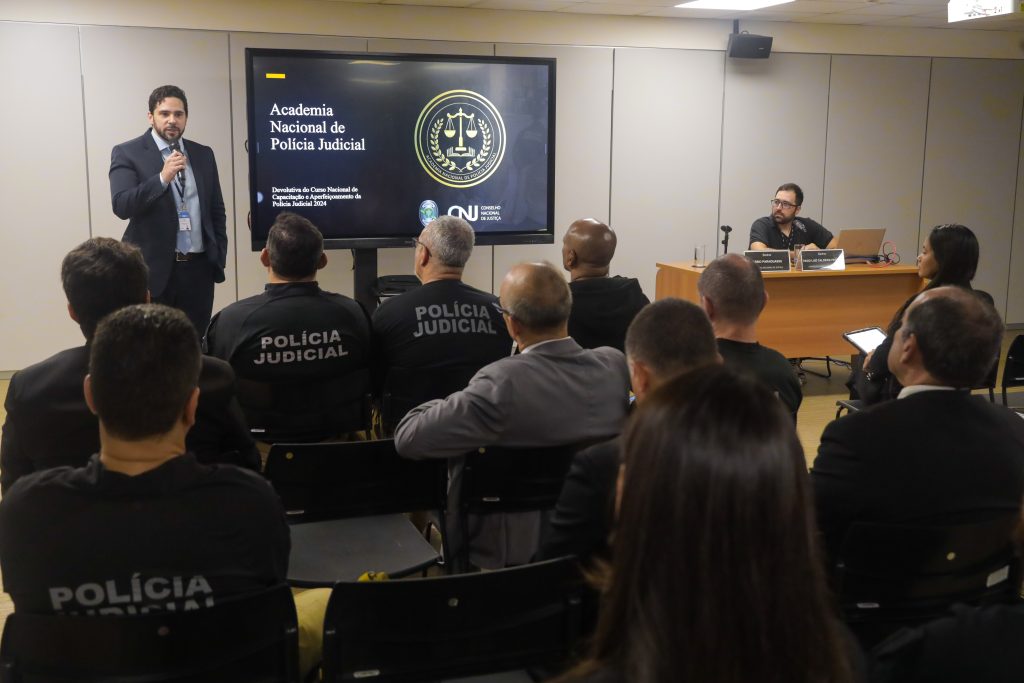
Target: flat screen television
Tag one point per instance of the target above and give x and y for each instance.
(371, 147)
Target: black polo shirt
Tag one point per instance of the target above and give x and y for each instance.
(804, 231)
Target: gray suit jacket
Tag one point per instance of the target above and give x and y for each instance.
(556, 393)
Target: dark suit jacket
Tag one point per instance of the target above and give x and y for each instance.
(932, 457)
(974, 644)
(49, 425)
(582, 518)
(138, 195)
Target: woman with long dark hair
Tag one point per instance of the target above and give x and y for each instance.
(949, 256)
(715, 574)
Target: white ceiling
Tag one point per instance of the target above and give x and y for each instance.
(912, 13)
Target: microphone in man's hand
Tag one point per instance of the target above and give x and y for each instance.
(176, 147)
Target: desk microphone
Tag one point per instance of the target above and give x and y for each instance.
(725, 239)
(176, 147)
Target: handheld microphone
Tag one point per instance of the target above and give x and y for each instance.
(176, 147)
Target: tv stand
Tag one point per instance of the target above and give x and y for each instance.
(365, 285)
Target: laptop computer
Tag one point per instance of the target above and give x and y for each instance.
(860, 245)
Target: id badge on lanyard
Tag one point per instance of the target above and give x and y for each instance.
(184, 221)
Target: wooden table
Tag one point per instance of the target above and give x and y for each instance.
(808, 311)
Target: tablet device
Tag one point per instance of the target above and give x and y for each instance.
(866, 339)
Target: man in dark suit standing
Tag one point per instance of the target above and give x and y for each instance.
(169, 191)
(937, 454)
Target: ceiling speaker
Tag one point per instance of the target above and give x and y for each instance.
(749, 46)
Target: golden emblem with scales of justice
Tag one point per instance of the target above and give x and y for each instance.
(473, 124)
(461, 150)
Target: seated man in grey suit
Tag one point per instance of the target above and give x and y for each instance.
(48, 423)
(733, 295)
(554, 392)
(665, 339)
(937, 454)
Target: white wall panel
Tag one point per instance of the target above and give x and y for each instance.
(971, 158)
(1015, 291)
(666, 153)
(43, 188)
(774, 132)
(875, 147)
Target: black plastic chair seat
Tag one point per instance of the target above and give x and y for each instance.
(324, 553)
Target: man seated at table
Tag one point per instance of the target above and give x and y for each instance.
(602, 306)
(936, 454)
(783, 230)
(143, 526)
(733, 295)
(554, 393)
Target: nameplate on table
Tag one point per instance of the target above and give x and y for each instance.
(770, 260)
(822, 259)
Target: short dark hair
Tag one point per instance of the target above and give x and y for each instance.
(735, 286)
(671, 336)
(101, 275)
(716, 575)
(543, 301)
(143, 365)
(785, 187)
(958, 333)
(295, 246)
(162, 93)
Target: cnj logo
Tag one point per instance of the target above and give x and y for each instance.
(470, 213)
(460, 138)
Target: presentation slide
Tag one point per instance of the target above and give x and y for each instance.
(373, 147)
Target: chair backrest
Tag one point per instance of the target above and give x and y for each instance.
(498, 479)
(251, 638)
(320, 481)
(891, 572)
(451, 626)
(306, 409)
(406, 388)
(1013, 370)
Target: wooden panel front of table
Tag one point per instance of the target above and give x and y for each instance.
(808, 311)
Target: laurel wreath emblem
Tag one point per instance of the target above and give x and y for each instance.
(435, 147)
(486, 142)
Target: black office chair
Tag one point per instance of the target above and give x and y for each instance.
(453, 626)
(306, 409)
(851, 405)
(496, 479)
(405, 388)
(1013, 370)
(252, 639)
(345, 502)
(894, 575)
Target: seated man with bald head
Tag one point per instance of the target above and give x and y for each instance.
(553, 393)
(602, 306)
(936, 455)
(733, 295)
